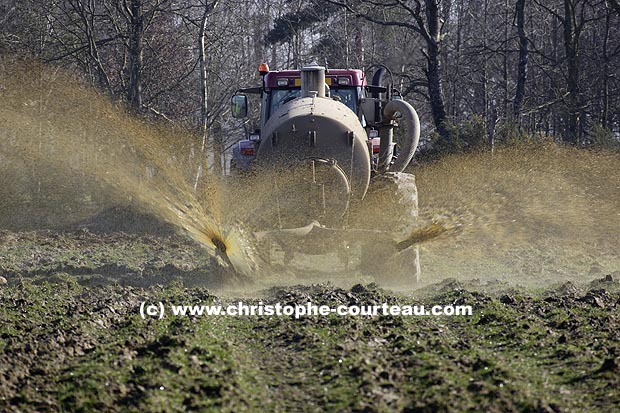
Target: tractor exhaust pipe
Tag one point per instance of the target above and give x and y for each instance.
(313, 81)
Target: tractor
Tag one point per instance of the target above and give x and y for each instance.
(331, 149)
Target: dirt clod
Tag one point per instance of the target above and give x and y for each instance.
(610, 364)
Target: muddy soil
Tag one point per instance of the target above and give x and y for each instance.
(533, 249)
(72, 339)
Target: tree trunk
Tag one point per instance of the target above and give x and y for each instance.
(457, 63)
(134, 88)
(204, 86)
(605, 114)
(433, 70)
(484, 82)
(523, 59)
(571, 45)
(359, 44)
(505, 62)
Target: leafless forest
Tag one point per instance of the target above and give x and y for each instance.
(478, 71)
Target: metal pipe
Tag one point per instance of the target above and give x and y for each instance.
(386, 146)
(313, 80)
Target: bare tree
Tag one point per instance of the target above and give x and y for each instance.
(425, 19)
(551, 66)
(523, 59)
(135, 19)
(204, 85)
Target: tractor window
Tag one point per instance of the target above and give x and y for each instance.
(281, 96)
(348, 96)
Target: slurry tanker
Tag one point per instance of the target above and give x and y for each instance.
(332, 149)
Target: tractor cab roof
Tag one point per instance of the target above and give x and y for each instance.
(333, 78)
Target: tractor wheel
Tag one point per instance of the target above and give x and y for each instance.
(390, 205)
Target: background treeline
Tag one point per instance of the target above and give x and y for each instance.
(479, 71)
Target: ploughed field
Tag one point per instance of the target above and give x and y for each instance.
(532, 246)
(72, 337)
